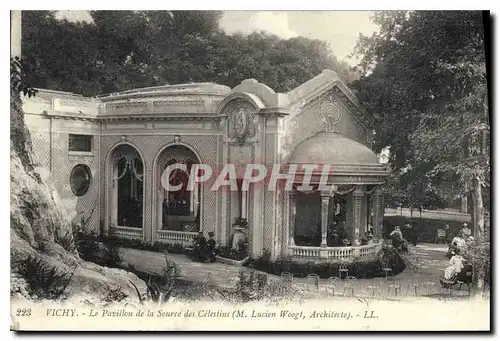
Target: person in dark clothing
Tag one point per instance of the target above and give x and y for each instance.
(415, 234)
(412, 233)
(333, 235)
(200, 246)
(211, 247)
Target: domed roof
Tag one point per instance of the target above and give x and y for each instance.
(333, 149)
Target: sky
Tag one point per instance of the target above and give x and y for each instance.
(340, 29)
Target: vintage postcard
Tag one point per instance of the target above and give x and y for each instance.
(237, 170)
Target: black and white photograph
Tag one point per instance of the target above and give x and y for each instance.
(230, 170)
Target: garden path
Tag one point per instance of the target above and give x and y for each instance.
(428, 262)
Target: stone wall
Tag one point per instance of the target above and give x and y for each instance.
(51, 152)
(150, 146)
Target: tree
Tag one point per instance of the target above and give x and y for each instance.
(122, 50)
(424, 79)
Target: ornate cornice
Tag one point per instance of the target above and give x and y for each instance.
(70, 116)
(279, 111)
(156, 117)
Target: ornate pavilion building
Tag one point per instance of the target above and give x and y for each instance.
(106, 156)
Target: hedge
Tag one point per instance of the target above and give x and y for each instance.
(427, 228)
(358, 269)
(136, 244)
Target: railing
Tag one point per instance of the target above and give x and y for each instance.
(305, 252)
(345, 253)
(127, 232)
(342, 253)
(368, 251)
(176, 237)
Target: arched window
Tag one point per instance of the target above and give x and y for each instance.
(179, 210)
(128, 177)
(179, 203)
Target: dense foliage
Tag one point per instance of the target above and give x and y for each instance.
(120, 50)
(428, 70)
(425, 81)
(44, 280)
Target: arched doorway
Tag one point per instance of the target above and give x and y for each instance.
(307, 224)
(126, 188)
(179, 210)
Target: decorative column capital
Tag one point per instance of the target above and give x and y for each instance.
(378, 191)
(358, 191)
(325, 195)
(329, 192)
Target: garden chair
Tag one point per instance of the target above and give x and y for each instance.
(430, 283)
(386, 268)
(313, 279)
(349, 284)
(412, 287)
(394, 287)
(372, 289)
(440, 236)
(246, 279)
(333, 283)
(376, 287)
(343, 270)
(287, 277)
(210, 277)
(447, 284)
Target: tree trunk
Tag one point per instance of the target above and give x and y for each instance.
(478, 225)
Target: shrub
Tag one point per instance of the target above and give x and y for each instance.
(479, 253)
(427, 228)
(69, 240)
(66, 240)
(115, 295)
(176, 248)
(160, 287)
(44, 281)
(358, 269)
(230, 253)
(91, 249)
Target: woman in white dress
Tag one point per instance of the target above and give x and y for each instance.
(456, 266)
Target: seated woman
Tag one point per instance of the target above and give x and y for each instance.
(458, 244)
(397, 239)
(455, 267)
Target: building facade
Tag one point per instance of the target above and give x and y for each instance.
(106, 156)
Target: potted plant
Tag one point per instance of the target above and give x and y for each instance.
(240, 227)
(240, 223)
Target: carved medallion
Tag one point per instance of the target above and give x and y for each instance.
(330, 112)
(241, 121)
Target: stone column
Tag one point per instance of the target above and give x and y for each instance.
(292, 210)
(257, 228)
(325, 202)
(378, 213)
(149, 233)
(357, 197)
